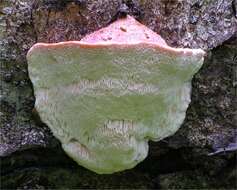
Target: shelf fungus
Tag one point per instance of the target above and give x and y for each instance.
(106, 96)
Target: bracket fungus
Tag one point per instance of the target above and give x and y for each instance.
(105, 96)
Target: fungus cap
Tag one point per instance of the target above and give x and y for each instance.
(105, 96)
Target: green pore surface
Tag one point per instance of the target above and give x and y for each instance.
(104, 104)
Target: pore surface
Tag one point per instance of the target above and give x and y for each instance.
(104, 104)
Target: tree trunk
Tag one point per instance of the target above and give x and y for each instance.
(200, 155)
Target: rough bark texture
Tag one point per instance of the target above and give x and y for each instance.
(32, 158)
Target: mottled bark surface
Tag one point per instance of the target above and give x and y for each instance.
(32, 158)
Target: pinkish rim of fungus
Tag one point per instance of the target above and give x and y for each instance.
(137, 35)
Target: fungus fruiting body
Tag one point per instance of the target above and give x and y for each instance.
(105, 96)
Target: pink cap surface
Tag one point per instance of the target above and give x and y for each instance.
(125, 32)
